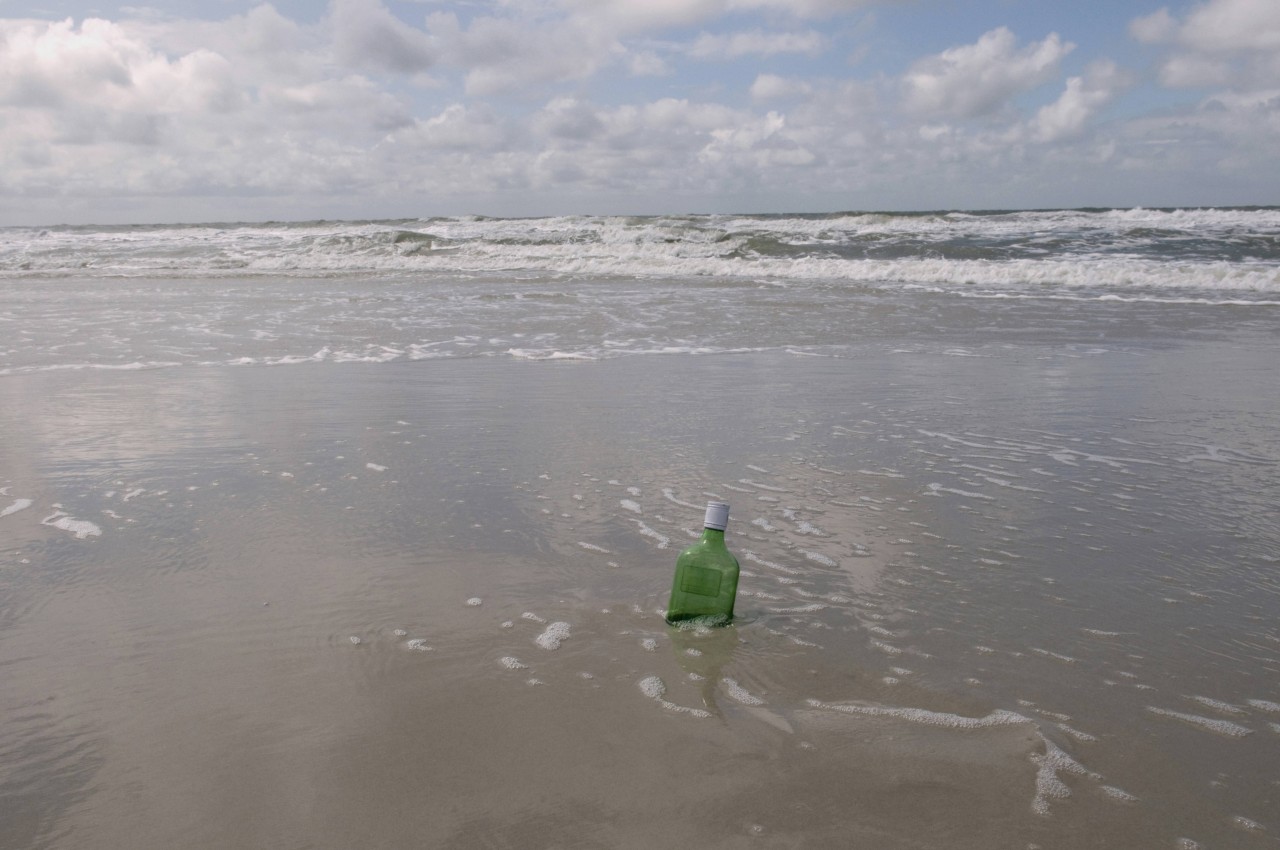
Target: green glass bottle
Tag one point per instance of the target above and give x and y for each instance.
(706, 581)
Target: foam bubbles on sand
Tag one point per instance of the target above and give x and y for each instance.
(18, 505)
(553, 635)
(655, 689)
(661, 539)
(999, 717)
(81, 528)
(740, 693)
(937, 490)
(1048, 785)
(1222, 727)
(670, 496)
(1218, 705)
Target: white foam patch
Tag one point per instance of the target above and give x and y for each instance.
(81, 528)
(18, 505)
(655, 689)
(649, 644)
(938, 490)
(752, 556)
(475, 602)
(800, 609)
(552, 636)
(740, 693)
(532, 354)
(999, 717)
(529, 615)
(1265, 705)
(630, 505)
(418, 645)
(661, 539)
(1048, 784)
(819, 558)
(512, 663)
(1077, 734)
(1222, 727)
(1247, 823)
(1066, 659)
(1118, 794)
(760, 486)
(591, 547)
(1218, 705)
(670, 496)
(375, 467)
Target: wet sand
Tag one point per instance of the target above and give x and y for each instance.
(992, 597)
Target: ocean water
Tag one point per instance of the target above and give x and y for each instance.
(338, 534)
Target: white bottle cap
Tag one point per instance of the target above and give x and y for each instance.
(717, 515)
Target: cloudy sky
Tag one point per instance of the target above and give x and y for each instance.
(198, 110)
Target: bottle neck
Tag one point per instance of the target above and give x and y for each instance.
(713, 536)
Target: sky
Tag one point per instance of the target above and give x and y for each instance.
(234, 110)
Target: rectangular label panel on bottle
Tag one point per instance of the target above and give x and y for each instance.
(700, 581)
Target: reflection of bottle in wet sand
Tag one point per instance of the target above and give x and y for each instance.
(706, 580)
(702, 654)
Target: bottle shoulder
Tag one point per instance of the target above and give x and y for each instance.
(706, 554)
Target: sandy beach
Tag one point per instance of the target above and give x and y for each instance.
(986, 601)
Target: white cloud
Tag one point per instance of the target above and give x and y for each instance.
(1230, 26)
(509, 54)
(774, 87)
(978, 79)
(1154, 28)
(1083, 98)
(1192, 70)
(366, 35)
(457, 128)
(554, 103)
(756, 42)
(1233, 43)
(629, 17)
(1217, 26)
(569, 118)
(48, 64)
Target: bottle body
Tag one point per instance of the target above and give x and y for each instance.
(706, 580)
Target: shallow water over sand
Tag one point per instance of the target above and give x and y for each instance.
(1022, 598)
